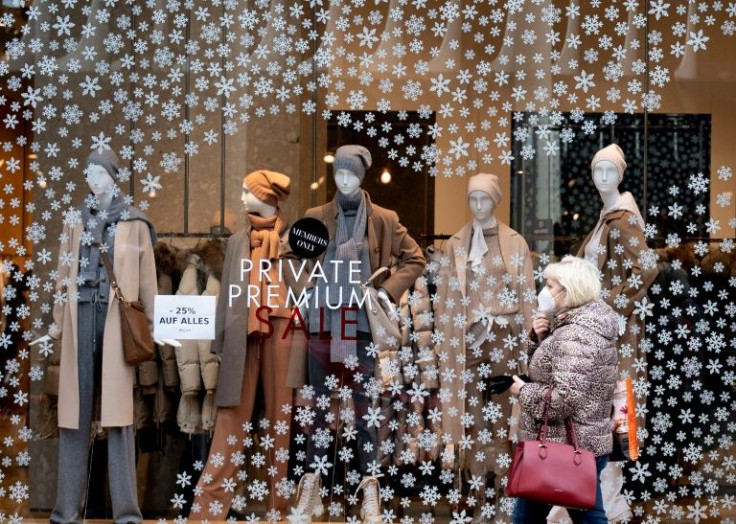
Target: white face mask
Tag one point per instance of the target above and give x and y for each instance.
(546, 301)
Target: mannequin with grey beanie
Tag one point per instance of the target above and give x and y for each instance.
(87, 326)
(488, 281)
(368, 237)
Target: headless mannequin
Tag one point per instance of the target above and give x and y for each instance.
(103, 187)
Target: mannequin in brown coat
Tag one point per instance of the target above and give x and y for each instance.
(618, 248)
(365, 236)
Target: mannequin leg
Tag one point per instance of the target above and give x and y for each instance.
(74, 444)
(121, 468)
(215, 500)
(611, 483)
(274, 369)
(367, 435)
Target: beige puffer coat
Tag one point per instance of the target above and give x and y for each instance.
(419, 439)
(198, 368)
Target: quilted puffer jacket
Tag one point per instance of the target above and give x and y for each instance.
(577, 360)
(198, 368)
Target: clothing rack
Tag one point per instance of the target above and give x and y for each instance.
(194, 235)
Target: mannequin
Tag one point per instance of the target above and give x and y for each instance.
(367, 235)
(617, 246)
(250, 354)
(487, 277)
(87, 322)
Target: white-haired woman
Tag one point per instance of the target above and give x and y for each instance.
(573, 353)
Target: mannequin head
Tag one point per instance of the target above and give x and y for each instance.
(351, 163)
(348, 183)
(484, 194)
(606, 176)
(101, 174)
(255, 206)
(481, 205)
(263, 190)
(99, 180)
(608, 166)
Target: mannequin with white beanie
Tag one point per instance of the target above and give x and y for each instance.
(489, 282)
(617, 246)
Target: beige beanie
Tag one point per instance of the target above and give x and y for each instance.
(489, 184)
(614, 154)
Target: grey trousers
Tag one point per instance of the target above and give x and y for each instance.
(74, 444)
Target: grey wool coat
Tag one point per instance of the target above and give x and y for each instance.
(231, 322)
(578, 361)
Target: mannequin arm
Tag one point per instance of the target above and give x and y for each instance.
(626, 251)
(411, 261)
(41, 340)
(62, 281)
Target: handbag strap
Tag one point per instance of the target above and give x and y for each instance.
(572, 436)
(542, 434)
(111, 276)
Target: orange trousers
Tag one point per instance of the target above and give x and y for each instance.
(266, 362)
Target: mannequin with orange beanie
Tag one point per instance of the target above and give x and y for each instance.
(252, 351)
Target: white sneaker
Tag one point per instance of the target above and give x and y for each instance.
(309, 503)
(370, 510)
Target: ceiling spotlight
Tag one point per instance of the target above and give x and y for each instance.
(329, 158)
(386, 176)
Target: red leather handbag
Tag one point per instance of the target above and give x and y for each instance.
(551, 472)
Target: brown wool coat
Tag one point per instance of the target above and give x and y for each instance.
(578, 361)
(451, 350)
(135, 271)
(625, 243)
(387, 239)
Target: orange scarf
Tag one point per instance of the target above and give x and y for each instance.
(265, 235)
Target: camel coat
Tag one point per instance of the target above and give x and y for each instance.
(619, 264)
(135, 271)
(452, 289)
(387, 238)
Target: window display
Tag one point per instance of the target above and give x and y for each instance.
(387, 378)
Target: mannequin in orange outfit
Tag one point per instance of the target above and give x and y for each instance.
(261, 357)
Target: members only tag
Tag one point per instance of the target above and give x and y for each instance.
(184, 317)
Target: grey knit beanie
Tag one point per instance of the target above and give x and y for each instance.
(353, 158)
(107, 159)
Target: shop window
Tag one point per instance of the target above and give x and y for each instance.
(555, 203)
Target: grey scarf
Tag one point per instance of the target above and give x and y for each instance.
(95, 223)
(346, 250)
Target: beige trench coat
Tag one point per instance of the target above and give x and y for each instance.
(451, 350)
(135, 271)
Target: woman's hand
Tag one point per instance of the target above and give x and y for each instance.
(516, 386)
(540, 325)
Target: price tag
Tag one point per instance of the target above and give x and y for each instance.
(184, 317)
